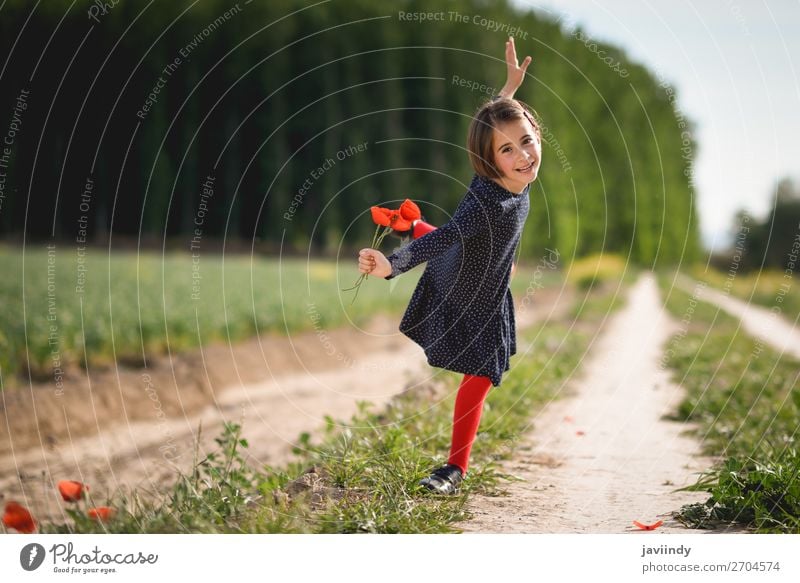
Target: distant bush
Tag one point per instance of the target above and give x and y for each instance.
(596, 269)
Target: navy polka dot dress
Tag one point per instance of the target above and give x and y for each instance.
(462, 312)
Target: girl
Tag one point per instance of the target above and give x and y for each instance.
(462, 312)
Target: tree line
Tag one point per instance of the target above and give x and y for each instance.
(770, 241)
(280, 123)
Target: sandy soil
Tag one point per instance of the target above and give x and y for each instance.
(602, 455)
(116, 430)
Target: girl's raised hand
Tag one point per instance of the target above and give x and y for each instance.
(373, 262)
(515, 72)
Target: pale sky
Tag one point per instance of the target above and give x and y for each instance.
(735, 66)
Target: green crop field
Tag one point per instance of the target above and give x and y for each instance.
(62, 310)
(149, 303)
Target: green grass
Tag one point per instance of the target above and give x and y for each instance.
(745, 398)
(141, 304)
(362, 475)
(133, 304)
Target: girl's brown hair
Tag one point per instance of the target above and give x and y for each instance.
(481, 130)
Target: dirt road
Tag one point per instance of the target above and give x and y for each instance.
(766, 325)
(602, 455)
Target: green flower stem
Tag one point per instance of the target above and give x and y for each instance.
(377, 239)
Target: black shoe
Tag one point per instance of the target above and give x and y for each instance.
(444, 480)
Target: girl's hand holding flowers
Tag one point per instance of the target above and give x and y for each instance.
(400, 221)
(373, 262)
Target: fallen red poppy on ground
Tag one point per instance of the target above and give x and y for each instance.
(653, 526)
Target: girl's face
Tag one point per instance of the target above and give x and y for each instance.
(517, 154)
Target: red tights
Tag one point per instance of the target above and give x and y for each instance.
(469, 400)
(466, 418)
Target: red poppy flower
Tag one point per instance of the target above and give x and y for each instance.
(398, 220)
(392, 218)
(381, 216)
(71, 491)
(410, 211)
(653, 526)
(18, 518)
(101, 513)
(400, 224)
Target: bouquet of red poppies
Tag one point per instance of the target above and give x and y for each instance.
(398, 221)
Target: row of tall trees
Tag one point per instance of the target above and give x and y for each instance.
(272, 102)
(771, 241)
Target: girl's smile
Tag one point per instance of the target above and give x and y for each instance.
(527, 169)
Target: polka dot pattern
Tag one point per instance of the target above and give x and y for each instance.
(462, 312)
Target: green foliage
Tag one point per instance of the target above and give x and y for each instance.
(771, 242)
(596, 270)
(305, 82)
(766, 496)
(212, 498)
(744, 397)
(134, 303)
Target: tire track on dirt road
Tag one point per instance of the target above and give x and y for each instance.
(764, 324)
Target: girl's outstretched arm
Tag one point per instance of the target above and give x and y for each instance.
(515, 72)
(421, 228)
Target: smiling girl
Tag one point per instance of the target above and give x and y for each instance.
(462, 311)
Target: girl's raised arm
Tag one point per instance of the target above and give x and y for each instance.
(515, 72)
